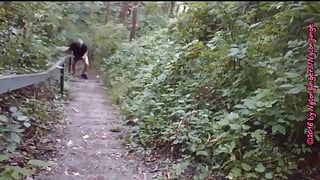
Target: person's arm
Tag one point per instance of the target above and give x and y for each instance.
(85, 54)
(69, 50)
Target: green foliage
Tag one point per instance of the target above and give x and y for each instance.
(223, 86)
(107, 39)
(27, 35)
(152, 16)
(25, 117)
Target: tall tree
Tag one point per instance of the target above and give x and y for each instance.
(107, 11)
(124, 11)
(134, 20)
(173, 3)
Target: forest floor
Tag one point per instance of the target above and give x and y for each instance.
(90, 144)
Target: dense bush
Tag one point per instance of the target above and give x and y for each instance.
(224, 87)
(27, 35)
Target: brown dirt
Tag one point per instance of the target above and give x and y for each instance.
(89, 149)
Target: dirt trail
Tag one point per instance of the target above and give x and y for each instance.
(90, 151)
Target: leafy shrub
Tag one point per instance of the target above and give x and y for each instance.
(223, 87)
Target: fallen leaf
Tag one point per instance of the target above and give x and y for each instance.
(74, 109)
(39, 163)
(26, 124)
(135, 120)
(49, 169)
(69, 143)
(76, 174)
(104, 136)
(115, 129)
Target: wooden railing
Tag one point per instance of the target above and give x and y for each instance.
(12, 82)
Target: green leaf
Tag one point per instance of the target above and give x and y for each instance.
(24, 171)
(16, 114)
(235, 126)
(5, 176)
(268, 175)
(245, 127)
(288, 54)
(233, 52)
(16, 175)
(22, 118)
(15, 137)
(257, 135)
(4, 157)
(236, 172)
(249, 154)
(296, 90)
(286, 86)
(260, 168)
(317, 137)
(240, 106)
(292, 74)
(278, 128)
(246, 166)
(249, 103)
(203, 153)
(11, 147)
(193, 148)
(233, 116)
(3, 118)
(223, 122)
(178, 169)
(39, 163)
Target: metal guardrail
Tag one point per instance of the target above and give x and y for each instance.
(13, 82)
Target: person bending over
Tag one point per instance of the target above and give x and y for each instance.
(79, 51)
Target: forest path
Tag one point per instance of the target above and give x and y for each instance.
(89, 149)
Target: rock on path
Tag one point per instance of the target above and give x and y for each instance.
(90, 151)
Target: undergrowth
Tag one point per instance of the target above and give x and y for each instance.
(222, 88)
(27, 117)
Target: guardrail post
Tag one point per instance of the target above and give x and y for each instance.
(62, 79)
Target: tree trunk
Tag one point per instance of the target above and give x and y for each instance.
(124, 10)
(134, 20)
(177, 8)
(107, 11)
(173, 3)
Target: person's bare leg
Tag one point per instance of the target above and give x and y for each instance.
(86, 65)
(73, 67)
